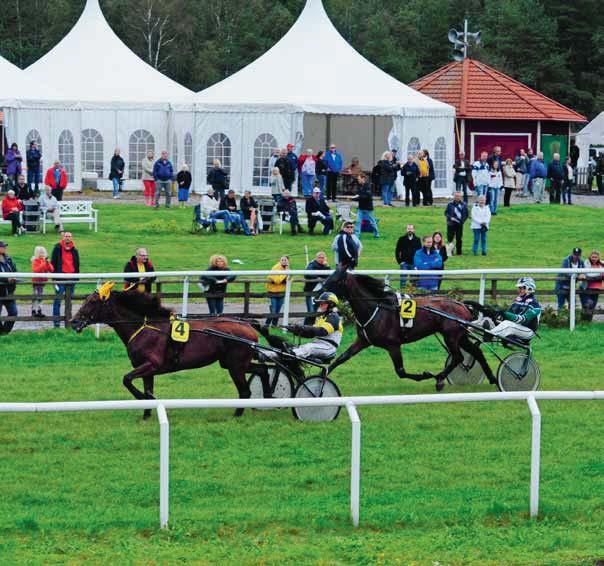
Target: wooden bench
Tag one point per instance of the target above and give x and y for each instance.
(74, 212)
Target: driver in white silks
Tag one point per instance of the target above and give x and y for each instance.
(521, 320)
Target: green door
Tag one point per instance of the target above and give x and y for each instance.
(551, 144)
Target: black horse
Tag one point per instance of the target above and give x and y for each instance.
(377, 315)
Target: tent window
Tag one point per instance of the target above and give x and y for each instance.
(263, 149)
(440, 164)
(66, 154)
(92, 152)
(189, 149)
(34, 136)
(219, 147)
(413, 146)
(141, 141)
(175, 152)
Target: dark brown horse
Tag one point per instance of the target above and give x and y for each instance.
(144, 326)
(377, 317)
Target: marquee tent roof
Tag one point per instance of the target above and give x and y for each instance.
(16, 85)
(594, 131)
(314, 69)
(91, 64)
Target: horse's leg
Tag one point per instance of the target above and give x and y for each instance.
(148, 383)
(452, 340)
(353, 350)
(397, 361)
(474, 348)
(237, 368)
(146, 369)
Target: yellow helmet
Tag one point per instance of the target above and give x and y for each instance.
(330, 298)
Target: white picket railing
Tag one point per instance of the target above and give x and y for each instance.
(350, 403)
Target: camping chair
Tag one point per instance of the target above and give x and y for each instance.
(201, 221)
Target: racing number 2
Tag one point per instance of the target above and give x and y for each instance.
(408, 307)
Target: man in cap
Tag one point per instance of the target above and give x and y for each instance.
(7, 288)
(574, 260)
(317, 210)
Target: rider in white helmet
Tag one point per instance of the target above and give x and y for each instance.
(521, 320)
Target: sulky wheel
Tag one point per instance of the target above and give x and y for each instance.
(280, 385)
(316, 386)
(518, 372)
(467, 372)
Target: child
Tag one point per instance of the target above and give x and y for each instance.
(183, 180)
(39, 264)
(276, 183)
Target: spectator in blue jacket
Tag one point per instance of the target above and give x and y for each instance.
(163, 173)
(555, 173)
(427, 258)
(34, 158)
(538, 174)
(481, 175)
(334, 163)
(563, 290)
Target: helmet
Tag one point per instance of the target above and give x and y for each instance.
(527, 282)
(330, 298)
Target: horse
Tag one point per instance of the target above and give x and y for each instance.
(144, 326)
(377, 315)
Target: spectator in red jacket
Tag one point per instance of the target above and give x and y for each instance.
(56, 179)
(65, 259)
(11, 210)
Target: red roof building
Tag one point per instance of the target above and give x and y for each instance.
(494, 109)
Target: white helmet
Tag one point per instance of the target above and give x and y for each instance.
(527, 282)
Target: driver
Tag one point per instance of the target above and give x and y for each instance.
(522, 318)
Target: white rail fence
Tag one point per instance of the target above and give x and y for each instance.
(187, 277)
(351, 404)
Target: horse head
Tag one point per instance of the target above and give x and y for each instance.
(95, 309)
(336, 283)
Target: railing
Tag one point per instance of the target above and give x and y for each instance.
(351, 404)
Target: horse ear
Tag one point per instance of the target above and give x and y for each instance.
(104, 290)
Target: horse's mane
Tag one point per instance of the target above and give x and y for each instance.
(141, 303)
(376, 288)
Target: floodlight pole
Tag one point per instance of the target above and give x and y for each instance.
(465, 38)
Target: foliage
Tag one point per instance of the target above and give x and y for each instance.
(553, 319)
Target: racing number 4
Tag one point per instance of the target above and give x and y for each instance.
(180, 331)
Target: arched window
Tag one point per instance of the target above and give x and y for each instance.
(67, 154)
(189, 149)
(140, 143)
(219, 147)
(34, 136)
(175, 152)
(440, 164)
(263, 149)
(92, 152)
(413, 146)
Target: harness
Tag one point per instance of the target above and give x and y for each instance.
(364, 326)
(145, 326)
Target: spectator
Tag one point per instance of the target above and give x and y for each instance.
(39, 264)
(509, 181)
(22, 190)
(208, 208)
(275, 286)
(438, 245)
(574, 260)
(117, 172)
(234, 221)
(184, 180)
(496, 157)
(273, 158)
(285, 168)
(456, 214)
(495, 184)
(317, 210)
(56, 179)
(334, 162)
(431, 175)
(538, 173)
(423, 183)
(531, 157)
(355, 168)
(555, 174)
(406, 247)
(249, 209)
(600, 172)
(347, 247)
(289, 211)
(463, 170)
(13, 162)
(216, 284)
(307, 168)
(365, 210)
(569, 181)
(65, 259)
(147, 165)
(50, 205)
(388, 173)
(33, 157)
(276, 183)
(7, 288)
(574, 154)
(594, 283)
(427, 258)
(521, 164)
(163, 173)
(410, 174)
(11, 210)
(480, 175)
(139, 263)
(218, 179)
(321, 171)
(481, 219)
(313, 283)
(293, 162)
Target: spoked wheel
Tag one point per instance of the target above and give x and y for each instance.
(518, 372)
(468, 372)
(280, 385)
(316, 386)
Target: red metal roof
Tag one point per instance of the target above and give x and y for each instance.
(479, 91)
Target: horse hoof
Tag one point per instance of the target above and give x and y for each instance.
(147, 414)
(440, 385)
(238, 412)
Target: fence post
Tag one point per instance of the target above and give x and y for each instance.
(164, 466)
(483, 284)
(355, 463)
(68, 295)
(494, 289)
(97, 327)
(572, 301)
(185, 297)
(535, 455)
(288, 296)
(246, 297)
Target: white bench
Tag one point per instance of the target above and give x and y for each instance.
(74, 212)
(8, 222)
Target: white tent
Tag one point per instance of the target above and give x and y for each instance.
(312, 70)
(107, 97)
(592, 134)
(17, 86)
